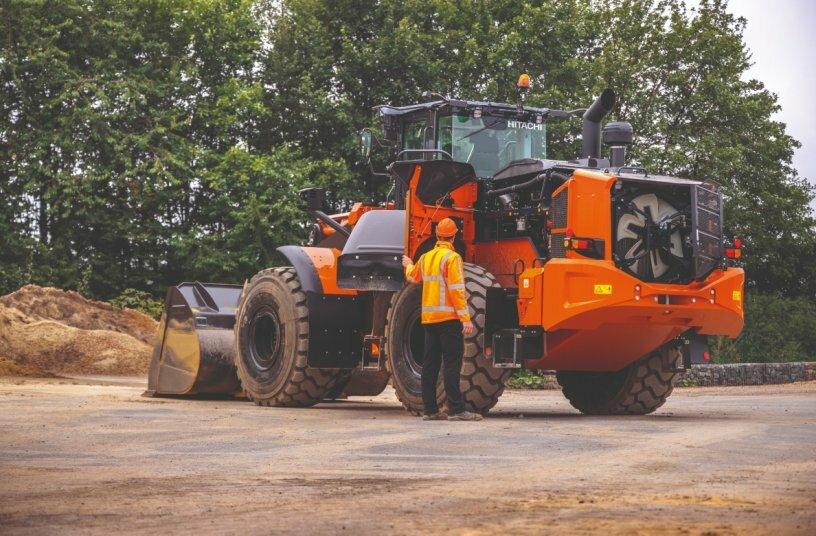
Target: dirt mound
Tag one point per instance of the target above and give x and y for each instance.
(71, 309)
(10, 368)
(58, 332)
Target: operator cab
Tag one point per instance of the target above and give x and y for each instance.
(486, 135)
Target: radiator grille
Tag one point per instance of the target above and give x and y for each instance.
(707, 224)
(559, 209)
(557, 246)
(708, 198)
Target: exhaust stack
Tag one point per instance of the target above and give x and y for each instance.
(591, 132)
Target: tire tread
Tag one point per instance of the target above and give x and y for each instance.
(305, 386)
(647, 385)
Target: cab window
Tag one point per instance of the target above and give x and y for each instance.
(413, 137)
(490, 143)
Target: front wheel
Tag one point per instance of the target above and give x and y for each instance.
(481, 384)
(271, 343)
(637, 389)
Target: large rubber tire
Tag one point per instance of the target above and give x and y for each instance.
(272, 343)
(638, 389)
(481, 384)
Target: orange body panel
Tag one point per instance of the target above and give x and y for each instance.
(503, 257)
(530, 293)
(590, 212)
(597, 317)
(325, 261)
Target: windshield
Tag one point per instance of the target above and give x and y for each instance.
(490, 143)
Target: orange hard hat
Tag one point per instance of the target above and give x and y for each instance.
(446, 228)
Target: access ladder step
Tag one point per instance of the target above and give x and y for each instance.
(372, 352)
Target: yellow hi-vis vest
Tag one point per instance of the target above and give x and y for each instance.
(443, 284)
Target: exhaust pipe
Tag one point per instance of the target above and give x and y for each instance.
(591, 132)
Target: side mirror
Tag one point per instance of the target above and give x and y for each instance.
(313, 198)
(365, 144)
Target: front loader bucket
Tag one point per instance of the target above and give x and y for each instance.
(194, 351)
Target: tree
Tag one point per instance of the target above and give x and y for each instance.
(113, 114)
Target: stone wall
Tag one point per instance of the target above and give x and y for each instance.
(731, 374)
(748, 374)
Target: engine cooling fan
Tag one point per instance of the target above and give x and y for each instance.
(649, 244)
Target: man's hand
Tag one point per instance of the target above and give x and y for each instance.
(406, 260)
(468, 328)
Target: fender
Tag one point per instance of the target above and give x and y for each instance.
(316, 268)
(337, 317)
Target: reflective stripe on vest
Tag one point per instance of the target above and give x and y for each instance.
(437, 309)
(437, 305)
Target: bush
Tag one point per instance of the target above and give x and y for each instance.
(776, 329)
(139, 300)
(527, 379)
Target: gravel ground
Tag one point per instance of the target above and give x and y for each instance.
(92, 456)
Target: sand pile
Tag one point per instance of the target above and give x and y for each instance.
(46, 330)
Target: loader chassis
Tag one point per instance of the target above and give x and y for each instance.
(602, 272)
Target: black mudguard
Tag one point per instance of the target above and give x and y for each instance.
(337, 322)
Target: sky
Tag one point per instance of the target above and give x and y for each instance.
(782, 39)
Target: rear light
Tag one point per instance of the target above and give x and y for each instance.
(735, 251)
(589, 247)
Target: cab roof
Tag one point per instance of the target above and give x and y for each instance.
(487, 108)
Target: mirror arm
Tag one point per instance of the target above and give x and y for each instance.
(377, 173)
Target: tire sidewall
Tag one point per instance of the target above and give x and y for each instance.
(267, 293)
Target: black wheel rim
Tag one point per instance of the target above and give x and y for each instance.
(264, 338)
(413, 343)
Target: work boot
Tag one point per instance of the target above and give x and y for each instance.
(465, 416)
(438, 416)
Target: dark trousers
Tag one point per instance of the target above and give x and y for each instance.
(443, 343)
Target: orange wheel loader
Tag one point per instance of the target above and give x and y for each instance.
(601, 271)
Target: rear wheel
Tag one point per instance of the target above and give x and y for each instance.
(638, 389)
(481, 384)
(271, 343)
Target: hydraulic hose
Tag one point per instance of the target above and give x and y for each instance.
(527, 184)
(328, 220)
(517, 187)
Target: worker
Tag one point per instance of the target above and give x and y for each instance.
(445, 318)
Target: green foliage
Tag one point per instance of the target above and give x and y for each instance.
(777, 329)
(113, 113)
(139, 300)
(687, 382)
(527, 379)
